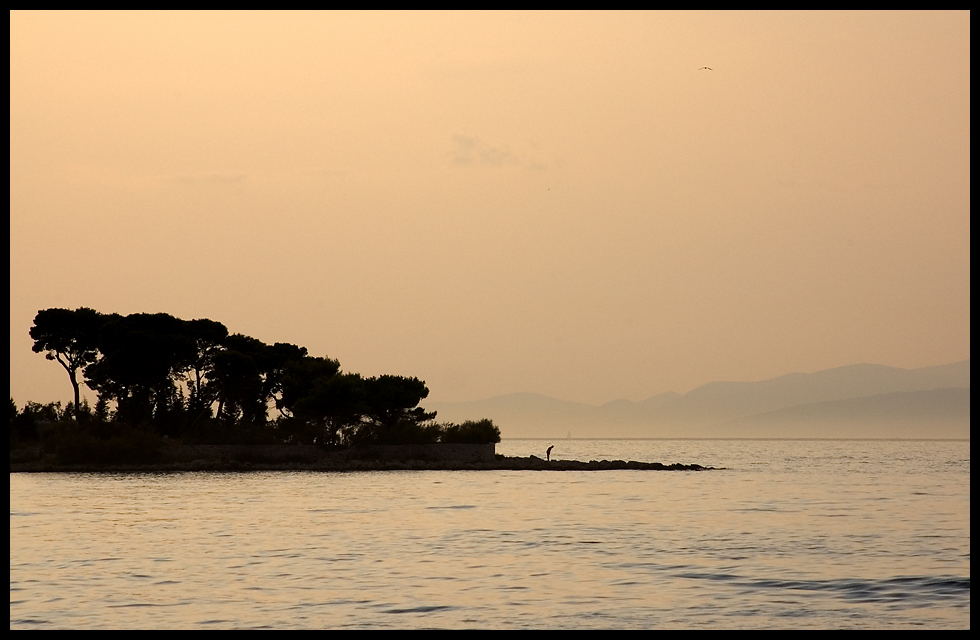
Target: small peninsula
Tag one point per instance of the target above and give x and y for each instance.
(188, 395)
(250, 461)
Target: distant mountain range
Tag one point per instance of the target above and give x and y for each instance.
(856, 401)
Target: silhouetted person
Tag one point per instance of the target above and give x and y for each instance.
(548, 452)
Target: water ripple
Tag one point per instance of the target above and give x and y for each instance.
(809, 534)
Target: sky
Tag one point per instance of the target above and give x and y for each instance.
(562, 203)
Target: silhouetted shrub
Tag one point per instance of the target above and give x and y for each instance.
(215, 431)
(405, 432)
(23, 426)
(125, 445)
(29, 425)
(471, 432)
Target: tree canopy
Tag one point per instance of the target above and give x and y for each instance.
(69, 337)
(196, 381)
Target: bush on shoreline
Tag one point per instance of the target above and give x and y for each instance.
(123, 445)
(95, 440)
(471, 432)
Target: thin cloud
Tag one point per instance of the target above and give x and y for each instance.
(470, 151)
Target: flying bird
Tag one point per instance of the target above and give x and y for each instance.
(703, 68)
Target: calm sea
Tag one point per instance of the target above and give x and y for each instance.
(792, 534)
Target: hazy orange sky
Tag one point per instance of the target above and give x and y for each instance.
(560, 203)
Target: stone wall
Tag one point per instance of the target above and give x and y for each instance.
(244, 453)
(429, 452)
(25, 455)
(312, 453)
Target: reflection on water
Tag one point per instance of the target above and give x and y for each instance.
(802, 534)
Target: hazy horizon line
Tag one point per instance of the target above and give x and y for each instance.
(827, 439)
(535, 393)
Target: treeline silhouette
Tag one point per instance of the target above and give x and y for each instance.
(158, 377)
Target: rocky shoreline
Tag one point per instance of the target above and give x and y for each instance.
(500, 463)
